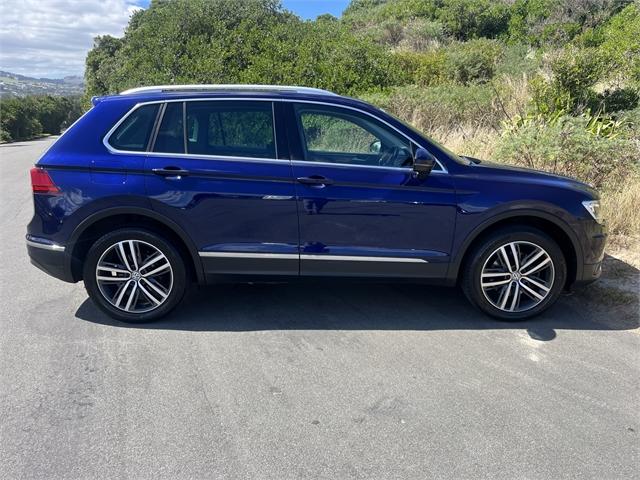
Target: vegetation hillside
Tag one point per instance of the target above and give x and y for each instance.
(547, 84)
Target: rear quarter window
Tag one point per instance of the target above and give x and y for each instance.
(134, 132)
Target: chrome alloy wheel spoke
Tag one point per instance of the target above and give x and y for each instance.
(517, 276)
(134, 276)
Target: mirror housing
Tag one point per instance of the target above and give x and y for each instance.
(423, 163)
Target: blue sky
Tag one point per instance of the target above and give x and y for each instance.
(310, 9)
(307, 9)
(54, 38)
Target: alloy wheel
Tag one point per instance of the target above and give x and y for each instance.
(134, 276)
(517, 276)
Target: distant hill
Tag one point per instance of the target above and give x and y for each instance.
(15, 85)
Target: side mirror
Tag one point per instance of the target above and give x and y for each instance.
(375, 147)
(423, 163)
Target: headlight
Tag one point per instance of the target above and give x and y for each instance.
(593, 207)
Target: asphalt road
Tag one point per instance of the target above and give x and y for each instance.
(292, 382)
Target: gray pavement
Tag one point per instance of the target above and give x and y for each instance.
(290, 382)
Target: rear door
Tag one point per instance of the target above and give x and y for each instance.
(216, 169)
(362, 212)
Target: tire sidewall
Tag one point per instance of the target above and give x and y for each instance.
(175, 260)
(473, 287)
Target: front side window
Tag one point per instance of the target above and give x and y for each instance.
(231, 128)
(337, 135)
(134, 132)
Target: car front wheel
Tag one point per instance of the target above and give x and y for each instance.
(515, 273)
(134, 275)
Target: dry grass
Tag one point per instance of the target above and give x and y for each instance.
(621, 210)
(477, 142)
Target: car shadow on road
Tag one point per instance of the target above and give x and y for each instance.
(327, 305)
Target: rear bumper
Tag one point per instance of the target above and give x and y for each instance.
(49, 257)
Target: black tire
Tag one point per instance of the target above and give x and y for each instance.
(487, 246)
(177, 269)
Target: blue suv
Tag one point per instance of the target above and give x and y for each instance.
(161, 186)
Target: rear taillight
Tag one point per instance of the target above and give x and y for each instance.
(41, 182)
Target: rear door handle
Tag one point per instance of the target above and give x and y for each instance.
(170, 172)
(317, 180)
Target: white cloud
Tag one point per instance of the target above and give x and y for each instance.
(50, 38)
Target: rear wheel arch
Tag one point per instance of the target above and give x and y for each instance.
(107, 220)
(556, 228)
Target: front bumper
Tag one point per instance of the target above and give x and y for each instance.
(49, 257)
(593, 244)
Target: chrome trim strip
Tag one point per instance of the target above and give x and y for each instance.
(105, 140)
(288, 256)
(292, 256)
(352, 258)
(46, 246)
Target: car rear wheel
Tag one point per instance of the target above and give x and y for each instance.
(515, 273)
(134, 275)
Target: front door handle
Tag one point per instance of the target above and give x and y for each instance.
(170, 172)
(315, 180)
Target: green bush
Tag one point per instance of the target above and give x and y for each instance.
(464, 63)
(468, 19)
(27, 117)
(472, 61)
(432, 69)
(4, 136)
(595, 150)
(616, 100)
(420, 34)
(518, 60)
(618, 43)
(575, 71)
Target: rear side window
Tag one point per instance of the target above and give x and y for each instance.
(235, 129)
(134, 132)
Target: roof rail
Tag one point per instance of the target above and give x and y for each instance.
(213, 88)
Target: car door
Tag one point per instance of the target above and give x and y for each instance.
(215, 169)
(362, 211)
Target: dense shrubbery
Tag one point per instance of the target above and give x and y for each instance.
(598, 150)
(224, 41)
(27, 117)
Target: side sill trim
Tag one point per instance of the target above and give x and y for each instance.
(46, 246)
(356, 258)
(294, 256)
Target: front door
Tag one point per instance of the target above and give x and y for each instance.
(215, 169)
(361, 210)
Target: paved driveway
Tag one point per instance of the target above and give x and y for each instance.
(279, 382)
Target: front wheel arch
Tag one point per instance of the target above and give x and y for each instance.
(552, 226)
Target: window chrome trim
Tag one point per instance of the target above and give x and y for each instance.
(295, 256)
(304, 163)
(105, 140)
